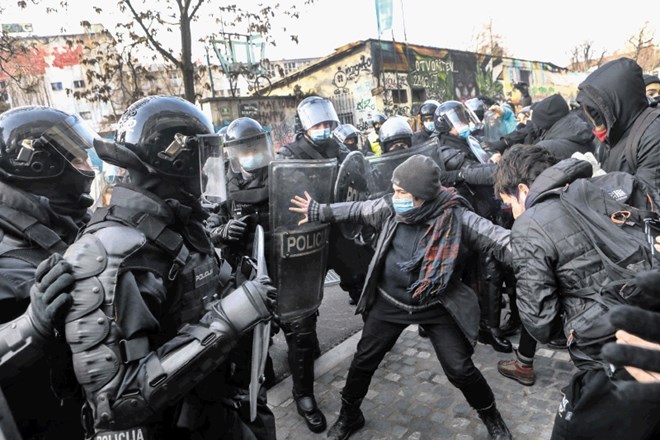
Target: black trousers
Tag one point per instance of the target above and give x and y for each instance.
(301, 342)
(591, 409)
(451, 347)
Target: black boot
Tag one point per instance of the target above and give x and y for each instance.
(350, 420)
(496, 427)
(511, 326)
(487, 335)
(313, 416)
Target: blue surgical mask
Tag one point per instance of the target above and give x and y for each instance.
(429, 126)
(252, 162)
(401, 206)
(465, 132)
(320, 134)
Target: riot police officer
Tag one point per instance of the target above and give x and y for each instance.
(377, 121)
(395, 135)
(146, 329)
(45, 179)
(348, 135)
(249, 150)
(318, 118)
(473, 179)
(426, 116)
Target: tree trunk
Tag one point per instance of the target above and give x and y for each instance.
(187, 68)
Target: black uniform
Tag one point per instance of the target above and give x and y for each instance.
(30, 231)
(345, 257)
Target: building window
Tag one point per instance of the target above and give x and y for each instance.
(418, 94)
(79, 84)
(86, 115)
(399, 96)
(56, 86)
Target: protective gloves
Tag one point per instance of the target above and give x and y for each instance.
(50, 299)
(232, 231)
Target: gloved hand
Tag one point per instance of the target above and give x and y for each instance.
(640, 357)
(232, 231)
(262, 288)
(49, 297)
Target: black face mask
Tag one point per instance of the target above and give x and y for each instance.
(67, 194)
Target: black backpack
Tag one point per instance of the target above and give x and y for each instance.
(619, 215)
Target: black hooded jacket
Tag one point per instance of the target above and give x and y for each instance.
(617, 91)
(568, 135)
(557, 267)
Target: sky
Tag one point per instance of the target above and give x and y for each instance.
(534, 30)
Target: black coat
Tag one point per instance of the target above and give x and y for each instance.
(617, 91)
(556, 266)
(478, 234)
(302, 148)
(571, 134)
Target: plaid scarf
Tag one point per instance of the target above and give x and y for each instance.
(438, 247)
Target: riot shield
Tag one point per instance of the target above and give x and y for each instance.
(299, 253)
(477, 150)
(383, 166)
(261, 334)
(354, 184)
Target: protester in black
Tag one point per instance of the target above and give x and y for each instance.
(424, 220)
(559, 272)
(614, 99)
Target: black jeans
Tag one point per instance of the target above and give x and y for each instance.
(591, 409)
(451, 347)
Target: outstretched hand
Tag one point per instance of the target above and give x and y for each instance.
(301, 206)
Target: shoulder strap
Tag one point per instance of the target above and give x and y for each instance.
(303, 147)
(638, 128)
(156, 231)
(30, 228)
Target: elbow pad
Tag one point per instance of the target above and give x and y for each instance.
(165, 377)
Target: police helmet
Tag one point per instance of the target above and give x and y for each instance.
(248, 145)
(395, 134)
(348, 135)
(378, 119)
(454, 114)
(162, 135)
(428, 108)
(39, 142)
(314, 110)
(478, 106)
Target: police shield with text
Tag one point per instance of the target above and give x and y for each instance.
(315, 145)
(150, 323)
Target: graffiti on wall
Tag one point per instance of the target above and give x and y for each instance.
(434, 75)
(276, 116)
(350, 73)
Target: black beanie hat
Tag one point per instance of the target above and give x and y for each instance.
(650, 79)
(419, 175)
(548, 111)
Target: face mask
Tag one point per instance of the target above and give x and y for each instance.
(320, 134)
(601, 135)
(429, 126)
(401, 206)
(251, 162)
(464, 132)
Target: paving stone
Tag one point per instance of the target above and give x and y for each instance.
(410, 398)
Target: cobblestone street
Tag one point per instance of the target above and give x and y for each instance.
(410, 397)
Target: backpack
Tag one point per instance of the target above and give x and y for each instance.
(618, 214)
